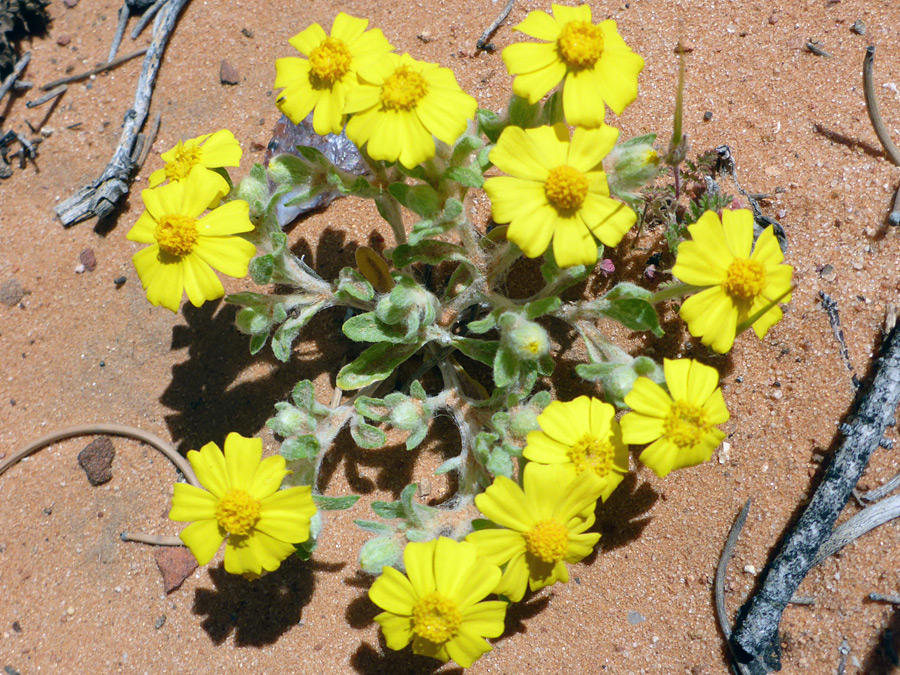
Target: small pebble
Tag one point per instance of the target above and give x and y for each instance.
(425, 36)
(247, 33)
(70, 610)
(858, 27)
(725, 452)
(162, 617)
(228, 74)
(175, 564)
(9, 670)
(634, 618)
(749, 569)
(70, 3)
(88, 259)
(17, 627)
(11, 292)
(828, 272)
(773, 17)
(63, 40)
(118, 281)
(96, 460)
(707, 116)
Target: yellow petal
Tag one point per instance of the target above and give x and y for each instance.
(268, 477)
(712, 316)
(580, 94)
(202, 189)
(767, 250)
(397, 629)
(546, 487)
(648, 398)
(532, 232)
(566, 422)
(369, 44)
(328, 116)
(676, 372)
(517, 154)
(573, 243)
(242, 457)
(539, 25)
(737, 227)
(446, 113)
(618, 69)
(466, 648)
(545, 450)
(638, 428)
(702, 381)
(230, 218)
(527, 57)
(221, 149)
(505, 504)
(208, 464)
(511, 197)
(166, 285)
(158, 177)
(418, 144)
(497, 546)
(307, 40)
(485, 618)
(229, 255)
(204, 538)
(285, 515)
(348, 28)
(537, 84)
(190, 503)
(453, 562)
(476, 582)
(581, 546)
(200, 282)
(716, 409)
(601, 418)
(661, 457)
(418, 557)
(696, 264)
(144, 230)
(393, 593)
(590, 146)
(515, 578)
(564, 13)
(607, 219)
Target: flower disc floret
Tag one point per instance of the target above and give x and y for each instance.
(581, 435)
(438, 605)
(186, 246)
(542, 526)
(176, 234)
(403, 89)
(237, 512)
(547, 540)
(679, 425)
(436, 618)
(329, 62)
(401, 105)
(739, 280)
(242, 505)
(566, 188)
(580, 44)
(322, 82)
(593, 63)
(186, 158)
(556, 191)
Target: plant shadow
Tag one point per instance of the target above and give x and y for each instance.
(258, 612)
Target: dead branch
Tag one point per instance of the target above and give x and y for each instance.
(106, 65)
(755, 641)
(872, 107)
(100, 197)
(13, 76)
(864, 521)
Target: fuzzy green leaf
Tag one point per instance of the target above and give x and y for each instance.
(302, 447)
(257, 342)
(368, 437)
(451, 464)
(484, 351)
(261, 269)
(324, 503)
(489, 123)
(286, 334)
(540, 307)
(483, 325)
(421, 199)
(506, 367)
(374, 365)
(369, 328)
(465, 176)
(375, 527)
(463, 148)
(500, 463)
(429, 251)
(388, 510)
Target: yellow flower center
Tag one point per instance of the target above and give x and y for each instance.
(237, 512)
(330, 61)
(548, 540)
(436, 618)
(745, 279)
(186, 158)
(580, 44)
(686, 424)
(566, 188)
(403, 89)
(592, 454)
(176, 235)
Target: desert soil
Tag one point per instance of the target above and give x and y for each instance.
(78, 349)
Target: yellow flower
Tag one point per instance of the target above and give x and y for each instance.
(581, 435)
(738, 283)
(597, 65)
(401, 103)
(437, 606)
(243, 506)
(185, 247)
(543, 526)
(679, 427)
(557, 190)
(210, 151)
(322, 81)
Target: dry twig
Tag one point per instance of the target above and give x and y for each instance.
(872, 107)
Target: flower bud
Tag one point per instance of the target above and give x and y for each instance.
(527, 340)
(406, 416)
(632, 165)
(378, 553)
(251, 321)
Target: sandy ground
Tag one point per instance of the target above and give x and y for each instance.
(79, 349)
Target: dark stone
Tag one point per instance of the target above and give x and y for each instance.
(175, 564)
(88, 259)
(96, 460)
(228, 74)
(11, 292)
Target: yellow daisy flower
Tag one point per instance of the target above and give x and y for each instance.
(438, 605)
(322, 80)
(543, 526)
(596, 64)
(401, 103)
(581, 435)
(738, 283)
(556, 189)
(679, 425)
(185, 247)
(211, 151)
(242, 506)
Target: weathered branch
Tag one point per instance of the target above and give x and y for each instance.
(865, 521)
(755, 641)
(100, 197)
(872, 107)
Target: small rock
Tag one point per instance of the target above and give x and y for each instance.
(828, 272)
(119, 281)
(684, 45)
(725, 452)
(634, 618)
(607, 266)
(17, 627)
(162, 617)
(9, 670)
(256, 146)
(70, 3)
(707, 116)
(749, 569)
(63, 40)
(96, 460)
(425, 36)
(858, 27)
(175, 564)
(11, 292)
(247, 33)
(773, 17)
(228, 74)
(88, 259)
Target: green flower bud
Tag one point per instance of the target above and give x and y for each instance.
(289, 420)
(289, 170)
(406, 416)
(523, 422)
(255, 192)
(632, 165)
(378, 553)
(528, 340)
(251, 321)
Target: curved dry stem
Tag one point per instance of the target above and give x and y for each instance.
(872, 107)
